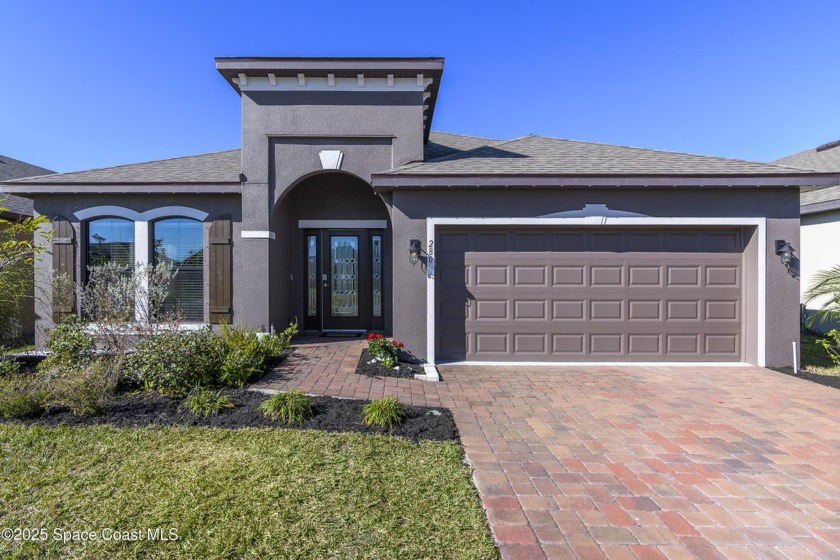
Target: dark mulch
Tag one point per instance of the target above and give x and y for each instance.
(330, 414)
(405, 370)
(827, 380)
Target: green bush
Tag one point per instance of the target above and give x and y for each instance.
(173, 362)
(831, 345)
(385, 413)
(292, 407)
(246, 352)
(85, 389)
(8, 366)
(21, 396)
(203, 402)
(68, 344)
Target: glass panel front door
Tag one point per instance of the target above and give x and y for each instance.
(344, 279)
(344, 276)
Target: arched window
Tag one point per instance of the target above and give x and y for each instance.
(110, 240)
(180, 242)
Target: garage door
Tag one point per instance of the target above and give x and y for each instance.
(589, 295)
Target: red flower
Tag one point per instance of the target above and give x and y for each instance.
(402, 345)
(370, 336)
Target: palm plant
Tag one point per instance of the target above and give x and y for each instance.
(825, 292)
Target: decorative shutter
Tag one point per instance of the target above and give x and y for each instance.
(63, 264)
(220, 270)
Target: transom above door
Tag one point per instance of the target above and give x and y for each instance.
(343, 271)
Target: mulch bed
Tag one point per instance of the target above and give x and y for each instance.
(368, 366)
(827, 380)
(330, 414)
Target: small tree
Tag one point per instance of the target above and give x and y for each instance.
(124, 303)
(18, 249)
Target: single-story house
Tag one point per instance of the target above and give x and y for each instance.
(14, 208)
(343, 211)
(820, 220)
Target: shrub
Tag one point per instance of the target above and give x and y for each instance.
(69, 345)
(85, 390)
(21, 396)
(204, 402)
(831, 345)
(173, 362)
(384, 350)
(385, 413)
(292, 407)
(245, 352)
(8, 366)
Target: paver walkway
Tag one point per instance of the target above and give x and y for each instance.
(628, 462)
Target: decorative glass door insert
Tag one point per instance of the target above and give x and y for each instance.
(344, 275)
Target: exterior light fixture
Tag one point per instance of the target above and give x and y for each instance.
(413, 251)
(785, 252)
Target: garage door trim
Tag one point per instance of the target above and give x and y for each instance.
(606, 222)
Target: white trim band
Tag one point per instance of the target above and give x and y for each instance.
(342, 224)
(257, 234)
(148, 215)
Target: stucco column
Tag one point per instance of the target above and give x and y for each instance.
(252, 300)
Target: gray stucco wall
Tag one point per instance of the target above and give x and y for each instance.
(67, 205)
(779, 206)
(282, 134)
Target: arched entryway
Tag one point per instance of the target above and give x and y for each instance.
(334, 233)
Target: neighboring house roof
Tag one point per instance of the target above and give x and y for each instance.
(11, 168)
(822, 158)
(825, 158)
(215, 167)
(540, 155)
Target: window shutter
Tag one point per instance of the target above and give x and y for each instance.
(220, 270)
(63, 265)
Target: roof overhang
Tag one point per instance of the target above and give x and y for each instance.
(387, 182)
(337, 74)
(123, 188)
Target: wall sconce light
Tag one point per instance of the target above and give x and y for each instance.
(414, 251)
(785, 252)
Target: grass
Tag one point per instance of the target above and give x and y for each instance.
(814, 358)
(205, 402)
(387, 412)
(292, 407)
(250, 493)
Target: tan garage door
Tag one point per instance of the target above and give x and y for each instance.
(589, 295)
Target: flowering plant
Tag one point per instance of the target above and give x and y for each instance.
(386, 351)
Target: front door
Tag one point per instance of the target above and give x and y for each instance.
(344, 279)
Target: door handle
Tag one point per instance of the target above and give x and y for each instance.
(469, 301)
(324, 280)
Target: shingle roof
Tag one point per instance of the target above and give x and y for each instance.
(442, 144)
(11, 168)
(222, 167)
(821, 158)
(540, 155)
(215, 167)
(824, 158)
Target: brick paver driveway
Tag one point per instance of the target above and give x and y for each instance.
(632, 462)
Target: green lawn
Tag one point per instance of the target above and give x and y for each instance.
(250, 493)
(814, 358)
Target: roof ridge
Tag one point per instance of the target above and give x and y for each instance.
(464, 135)
(739, 160)
(59, 175)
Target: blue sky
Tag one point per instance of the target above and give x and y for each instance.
(90, 84)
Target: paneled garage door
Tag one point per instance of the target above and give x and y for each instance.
(589, 295)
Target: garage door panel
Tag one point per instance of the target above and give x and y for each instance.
(512, 301)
